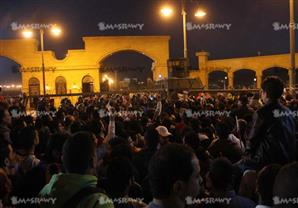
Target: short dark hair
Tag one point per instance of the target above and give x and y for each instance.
(221, 174)
(286, 185)
(168, 165)
(151, 137)
(273, 86)
(265, 182)
(79, 152)
(119, 172)
(25, 138)
(192, 139)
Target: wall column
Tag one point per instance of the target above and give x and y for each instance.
(230, 80)
(259, 75)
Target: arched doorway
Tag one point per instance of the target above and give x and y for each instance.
(280, 72)
(126, 70)
(87, 84)
(10, 77)
(60, 85)
(218, 80)
(34, 87)
(245, 78)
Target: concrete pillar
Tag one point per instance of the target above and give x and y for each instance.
(230, 80)
(259, 75)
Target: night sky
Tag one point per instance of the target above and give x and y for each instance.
(251, 31)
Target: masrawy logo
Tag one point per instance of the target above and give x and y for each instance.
(277, 200)
(35, 200)
(102, 26)
(282, 113)
(33, 26)
(208, 26)
(210, 200)
(277, 26)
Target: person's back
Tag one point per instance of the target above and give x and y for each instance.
(272, 137)
(76, 187)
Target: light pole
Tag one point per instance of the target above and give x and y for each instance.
(167, 11)
(292, 76)
(56, 31)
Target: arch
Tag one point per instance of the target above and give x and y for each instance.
(244, 78)
(10, 72)
(87, 84)
(125, 69)
(34, 86)
(217, 79)
(120, 50)
(60, 85)
(280, 72)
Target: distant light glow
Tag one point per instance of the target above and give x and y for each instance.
(27, 34)
(56, 31)
(200, 13)
(166, 11)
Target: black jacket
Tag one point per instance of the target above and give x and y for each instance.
(272, 135)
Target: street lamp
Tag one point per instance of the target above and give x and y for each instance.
(56, 31)
(200, 13)
(167, 11)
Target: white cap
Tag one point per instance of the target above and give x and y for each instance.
(163, 131)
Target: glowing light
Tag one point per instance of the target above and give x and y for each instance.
(200, 13)
(48, 87)
(56, 31)
(167, 11)
(107, 78)
(74, 86)
(27, 34)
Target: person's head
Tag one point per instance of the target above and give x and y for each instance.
(55, 146)
(220, 177)
(163, 134)
(119, 175)
(5, 117)
(192, 140)
(79, 154)
(265, 182)
(272, 89)
(224, 128)
(286, 186)
(174, 173)
(26, 139)
(151, 137)
(243, 100)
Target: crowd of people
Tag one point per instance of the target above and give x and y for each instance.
(152, 150)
